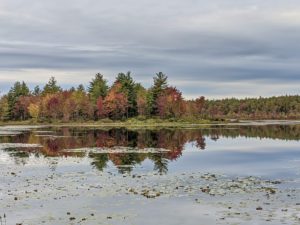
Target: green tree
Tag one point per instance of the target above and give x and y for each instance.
(37, 91)
(80, 88)
(51, 87)
(98, 88)
(160, 84)
(129, 90)
(19, 89)
(72, 89)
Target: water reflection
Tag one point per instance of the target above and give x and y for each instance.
(55, 141)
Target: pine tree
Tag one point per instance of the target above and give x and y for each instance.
(98, 88)
(19, 89)
(80, 88)
(128, 89)
(160, 84)
(36, 91)
(51, 87)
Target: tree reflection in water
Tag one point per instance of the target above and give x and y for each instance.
(55, 141)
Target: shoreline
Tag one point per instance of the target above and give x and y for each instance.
(147, 124)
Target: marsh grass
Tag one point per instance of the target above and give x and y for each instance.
(132, 122)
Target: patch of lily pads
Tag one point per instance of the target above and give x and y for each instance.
(19, 145)
(236, 200)
(118, 149)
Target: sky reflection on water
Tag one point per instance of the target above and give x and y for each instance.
(270, 151)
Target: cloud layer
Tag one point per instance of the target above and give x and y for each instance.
(215, 48)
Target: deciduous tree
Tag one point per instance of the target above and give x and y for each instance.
(4, 108)
(115, 103)
(34, 111)
(170, 103)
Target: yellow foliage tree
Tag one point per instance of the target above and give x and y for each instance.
(34, 111)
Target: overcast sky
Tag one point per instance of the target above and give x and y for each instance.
(215, 48)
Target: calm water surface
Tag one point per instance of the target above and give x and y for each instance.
(88, 175)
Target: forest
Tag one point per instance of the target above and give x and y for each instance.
(126, 98)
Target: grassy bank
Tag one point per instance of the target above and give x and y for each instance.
(148, 123)
(132, 122)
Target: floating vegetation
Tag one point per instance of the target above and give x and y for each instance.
(43, 131)
(52, 136)
(19, 128)
(118, 149)
(15, 130)
(19, 145)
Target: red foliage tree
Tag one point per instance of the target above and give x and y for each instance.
(100, 108)
(170, 103)
(20, 110)
(51, 106)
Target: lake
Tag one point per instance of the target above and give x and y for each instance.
(220, 174)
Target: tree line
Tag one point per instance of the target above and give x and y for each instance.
(126, 98)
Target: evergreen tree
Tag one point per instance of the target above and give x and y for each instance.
(19, 89)
(80, 88)
(72, 89)
(51, 87)
(129, 90)
(160, 84)
(37, 91)
(98, 88)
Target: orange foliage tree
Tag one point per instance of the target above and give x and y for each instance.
(115, 103)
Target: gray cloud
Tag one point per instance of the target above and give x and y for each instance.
(247, 42)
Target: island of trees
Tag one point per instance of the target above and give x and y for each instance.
(126, 99)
